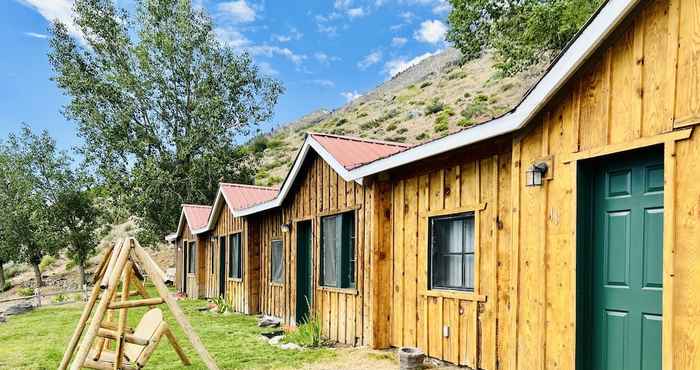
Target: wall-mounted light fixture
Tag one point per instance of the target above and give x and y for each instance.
(285, 227)
(535, 174)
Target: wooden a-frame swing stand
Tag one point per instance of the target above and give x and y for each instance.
(125, 261)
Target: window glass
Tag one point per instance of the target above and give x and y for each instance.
(338, 250)
(277, 262)
(452, 252)
(234, 259)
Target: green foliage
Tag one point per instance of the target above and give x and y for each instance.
(477, 107)
(362, 115)
(13, 271)
(46, 262)
(6, 287)
(25, 292)
(309, 334)
(258, 144)
(159, 103)
(391, 127)
(459, 74)
(425, 84)
(397, 139)
(422, 136)
(401, 130)
(465, 122)
(522, 32)
(60, 298)
(342, 121)
(369, 125)
(434, 106)
(221, 305)
(442, 122)
(70, 265)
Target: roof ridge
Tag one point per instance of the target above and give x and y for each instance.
(194, 205)
(249, 186)
(364, 140)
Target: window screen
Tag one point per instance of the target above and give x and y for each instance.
(277, 268)
(234, 258)
(338, 250)
(191, 258)
(452, 252)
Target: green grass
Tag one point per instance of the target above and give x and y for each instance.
(37, 340)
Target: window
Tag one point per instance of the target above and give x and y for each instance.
(234, 259)
(452, 252)
(190, 258)
(338, 250)
(277, 271)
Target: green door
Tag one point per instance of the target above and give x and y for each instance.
(627, 262)
(304, 268)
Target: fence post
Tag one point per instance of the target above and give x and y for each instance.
(37, 295)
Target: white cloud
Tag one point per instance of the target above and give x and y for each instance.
(399, 41)
(239, 11)
(36, 35)
(294, 34)
(342, 4)
(323, 83)
(324, 58)
(61, 10)
(356, 12)
(396, 66)
(231, 38)
(442, 7)
(370, 60)
(406, 16)
(266, 68)
(350, 95)
(431, 32)
(330, 31)
(269, 51)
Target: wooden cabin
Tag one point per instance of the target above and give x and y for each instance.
(190, 249)
(231, 268)
(561, 235)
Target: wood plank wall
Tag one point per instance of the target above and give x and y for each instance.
(345, 314)
(242, 294)
(628, 94)
(195, 281)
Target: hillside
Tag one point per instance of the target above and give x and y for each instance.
(431, 99)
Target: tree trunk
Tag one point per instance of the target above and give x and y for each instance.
(2, 277)
(37, 275)
(81, 268)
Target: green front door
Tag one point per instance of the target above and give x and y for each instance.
(304, 267)
(627, 262)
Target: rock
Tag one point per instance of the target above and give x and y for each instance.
(268, 321)
(19, 309)
(276, 340)
(411, 358)
(202, 309)
(293, 346)
(170, 276)
(272, 334)
(2, 319)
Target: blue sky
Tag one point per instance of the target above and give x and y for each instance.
(325, 52)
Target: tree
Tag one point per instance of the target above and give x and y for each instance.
(30, 173)
(7, 252)
(521, 32)
(160, 104)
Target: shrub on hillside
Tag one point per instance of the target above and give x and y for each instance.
(46, 262)
(442, 122)
(25, 292)
(434, 106)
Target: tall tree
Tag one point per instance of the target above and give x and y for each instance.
(521, 32)
(160, 104)
(29, 178)
(7, 252)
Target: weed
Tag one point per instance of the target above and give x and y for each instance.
(422, 136)
(309, 334)
(425, 84)
(442, 122)
(434, 106)
(392, 126)
(221, 305)
(25, 292)
(465, 122)
(60, 298)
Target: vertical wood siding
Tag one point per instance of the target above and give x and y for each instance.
(345, 314)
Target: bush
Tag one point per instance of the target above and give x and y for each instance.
(465, 122)
(341, 122)
(434, 106)
(392, 126)
(25, 292)
(46, 262)
(258, 144)
(401, 130)
(13, 271)
(369, 125)
(457, 75)
(422, 136)
(425, 84)
(7, 287)
(309, 334)
(362, 115)
(442, 122)
(397, 139)
(70, 265)
(59, 298)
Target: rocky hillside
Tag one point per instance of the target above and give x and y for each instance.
(431, 99)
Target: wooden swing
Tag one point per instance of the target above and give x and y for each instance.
(132, 347)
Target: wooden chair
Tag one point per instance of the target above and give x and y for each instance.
(139, 346)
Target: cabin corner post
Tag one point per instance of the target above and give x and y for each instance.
(381, 265)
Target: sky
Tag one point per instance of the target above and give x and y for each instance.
(325, 52)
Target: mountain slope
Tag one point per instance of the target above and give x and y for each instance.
(431, 99)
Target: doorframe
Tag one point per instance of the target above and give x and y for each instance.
(668, 140)
(312, 254)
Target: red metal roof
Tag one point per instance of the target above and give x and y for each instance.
(352, 152)
(197, 216)
(240, 196)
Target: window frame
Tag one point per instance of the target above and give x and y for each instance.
(191, 254)
(345, 251)
(272, 261)
(230, 256)
(464, 215)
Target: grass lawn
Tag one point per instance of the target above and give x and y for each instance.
(37, 340)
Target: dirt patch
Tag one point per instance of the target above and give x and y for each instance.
(362, 358)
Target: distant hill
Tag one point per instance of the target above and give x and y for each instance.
(435, 97)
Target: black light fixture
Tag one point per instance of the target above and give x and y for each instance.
(535, 174)
(285, 227)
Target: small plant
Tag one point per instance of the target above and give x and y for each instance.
(77, 297)
(369, 125)
(434, 106)
(362, 115)
(309, 334)
(442, 122)
(422, 136)
(425, 84)
(7, 287)
(60, 298)
(465, 122)
(46, 262)
(401, 130)
(392, 126)
(341, 122)
(457, 75)
(70, 265)
(13, 271)
(397, 139)
(25, 292)
(221, 305)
